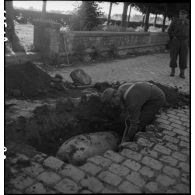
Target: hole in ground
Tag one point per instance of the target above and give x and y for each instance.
(51, 126)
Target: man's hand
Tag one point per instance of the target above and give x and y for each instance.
(129, 133)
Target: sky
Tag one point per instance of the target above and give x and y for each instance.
(69, 6)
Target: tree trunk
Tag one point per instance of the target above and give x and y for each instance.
(147, 19)
(155, 20)
(143, 21)
(164, 20)
(109, 15)
(129, 17)
(13, 39)
(124, 16)
(43, 15)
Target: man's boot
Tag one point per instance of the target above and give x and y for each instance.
(182, 74)
(172, 72)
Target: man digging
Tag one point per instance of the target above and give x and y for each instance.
(141, 100)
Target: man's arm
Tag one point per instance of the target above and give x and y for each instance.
(171, 30)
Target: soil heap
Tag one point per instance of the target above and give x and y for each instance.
(26, 80)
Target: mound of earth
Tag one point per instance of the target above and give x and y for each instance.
(26, 80)
(174, 97)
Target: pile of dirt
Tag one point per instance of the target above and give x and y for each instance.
(26, 80)
(174, 97)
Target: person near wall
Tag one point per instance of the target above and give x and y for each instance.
(179, 39)
(141, 100)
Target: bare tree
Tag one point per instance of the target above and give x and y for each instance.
(10, 30)
(109, 14)
(44, 9)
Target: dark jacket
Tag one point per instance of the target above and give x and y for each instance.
(179, 29)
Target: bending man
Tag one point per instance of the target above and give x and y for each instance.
(142, 100)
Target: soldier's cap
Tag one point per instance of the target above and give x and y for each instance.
(107, 94)
(183, 11)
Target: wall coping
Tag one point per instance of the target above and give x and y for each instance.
(100, 34)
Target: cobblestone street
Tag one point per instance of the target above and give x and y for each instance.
(158, 163)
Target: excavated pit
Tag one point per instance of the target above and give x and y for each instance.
(74, 110)
(51, 125)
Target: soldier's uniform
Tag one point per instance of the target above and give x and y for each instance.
(179, 36)
(141, 100)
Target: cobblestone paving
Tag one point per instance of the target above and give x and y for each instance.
(154, 164)
(149, 67)
(157, 164)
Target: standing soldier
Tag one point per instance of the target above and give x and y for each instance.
(179, 36)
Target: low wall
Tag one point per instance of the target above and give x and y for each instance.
(87, 45)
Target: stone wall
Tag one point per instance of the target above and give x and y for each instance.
(86, 45)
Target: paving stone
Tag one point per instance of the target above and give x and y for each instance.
(132, 146)
(113, 156)
(185, 151)
(163, 116)
(184, 166)
(109, 191)
(162, 149)
(91, 168)
(53, 163)
(131, 154)
(184, 138)
(144, 142)
(119, 169)
(34, 170)
(154, 164)
(146, 171)
(172, 146)
(182, 188)
(109, 178)
(136, 179)
(179, 156)
(184, 144)
(92, 184)
(186, 124)
(169, 133)
(72, 172)
(49, 177)
(165, 180)
(39, 158)
(178, 127)
(160, 120)
(21, 182)
(168, 159)
(185, 178)
(171, 139)
(173, 120)
(173, 172)
(37, 188)
(173, 112)
(181, 131)
(152, 186)
(149, 152)
(128, 187)
(171, 192)
(67, 186)
(99, 160)
(85, 192)
(173, 116)
(183, 117)
(164, 126)
(135, 166)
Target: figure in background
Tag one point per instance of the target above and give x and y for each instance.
(179, 36)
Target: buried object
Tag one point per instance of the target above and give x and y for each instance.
(79, 148)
